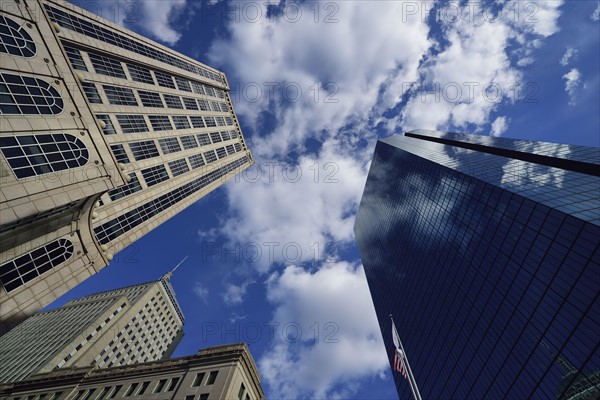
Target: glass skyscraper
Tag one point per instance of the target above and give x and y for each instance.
(486, 251)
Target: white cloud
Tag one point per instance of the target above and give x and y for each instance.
(294, 213)
(499, 126)
(572, 83)
(326, 345)
(354, 54)
(570, 54)
(201, 291)
(234, 294)
(155, 18)
(596, 14)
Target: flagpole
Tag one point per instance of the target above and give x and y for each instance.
(411, 379)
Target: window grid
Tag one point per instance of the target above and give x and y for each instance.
(75, 58)
(183, 84)
(190, 104)
(178, 167)
(204, 139)
(26, 95)
(196, 161)
(160, 122)
(189, 142)
(173, 101)
(91, 92)
(210, 122)
(230, 149)
(238, 147)
(215, 137)
(164, 80)
(181, 122)
(221, 153)
(120, 96)
(150, 99)
(119, 152)
(31, 155)
(107, 66)
(132, 187)
(140, 74)
(14, 39)
(210, 156)
(197, 122)
(132, 123)
(23, 269)
(143, 150)
(169, 145)
(155, 175)
(128, 221)
(203, 104)
(109, 129)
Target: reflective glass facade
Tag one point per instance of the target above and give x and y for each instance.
(487, 253)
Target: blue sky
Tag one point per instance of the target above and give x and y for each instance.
(272, 259)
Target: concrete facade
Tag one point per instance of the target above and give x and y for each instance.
(118, 327)
(114, 135)
(215, 373)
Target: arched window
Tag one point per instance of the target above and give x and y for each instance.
(31, 155)
(27, 95)
(14, 39)
(21, 270)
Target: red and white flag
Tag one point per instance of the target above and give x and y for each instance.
(399, 363)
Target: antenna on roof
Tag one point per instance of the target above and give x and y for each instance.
(169, 274)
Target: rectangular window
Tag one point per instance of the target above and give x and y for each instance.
(115, 391)
(189, 142)
(132, 187)
(238, 147)
(198, 88)
(120, 154)
(203, 105)
(212, 377)
(91, 92)
(120, 96)
(204, 396)
(150, 99)
(230, 149)
(143, 388)
(132, 123)
(181, 122)
(215, 106)
(173, 384)
(173, 101)
(140, 74)
(183, 84)
(164, 80)
(196, 161)
(169, 145)
(107, 66)
(221, 152)
(210, 156)
(220, 121)
(241, 392)
(204, 139)
(228, 121)
(178, 167)
(131, 389)
(224, 108)
(190, 104)
(225, 136)
(190, 397)
(109, 128)
(75, 58)
(210, 121)
(160, 386)
(197, 122)
(234, 134)
(215, 137)
(143, 150)
(155, 175)
(198, 379)
(160, 122)
(210, 91)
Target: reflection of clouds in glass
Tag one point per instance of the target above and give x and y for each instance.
(522, 174)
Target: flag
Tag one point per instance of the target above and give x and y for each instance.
(399, 363)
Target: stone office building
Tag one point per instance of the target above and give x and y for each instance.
(117, 327)
(215, 373)
(104, 136)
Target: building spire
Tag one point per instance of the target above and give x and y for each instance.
(565, 365)
(169, 274)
